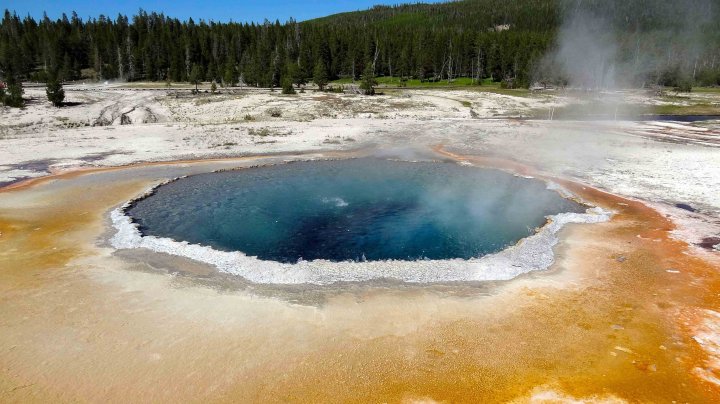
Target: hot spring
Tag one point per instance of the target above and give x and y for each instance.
(358, 210)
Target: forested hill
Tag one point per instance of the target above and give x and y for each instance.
(535, 15)
(496, 39)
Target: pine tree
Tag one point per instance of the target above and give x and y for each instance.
(13, 96)
(195, 76)
(229, 77)
(287, 86)
(296, 74)
(320, 76)
(368, 80)
(54, 90)
(66, 72)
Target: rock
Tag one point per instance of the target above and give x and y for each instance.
(710, 243)
(685, 206)
(623, 349)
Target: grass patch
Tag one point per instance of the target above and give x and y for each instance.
(601, 110)
(464, 83)
(157, 84)
(515, 92)
(592, 110)
(712, 90)
(694, 109)
(388, 81)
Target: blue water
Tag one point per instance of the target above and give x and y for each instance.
(360, 209)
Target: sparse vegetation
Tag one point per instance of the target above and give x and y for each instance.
(463, 83)
(274, 112)
(265, 132)
(206, 99)
(683, 86)
(335, 89)
(225, 145)
(262, 132)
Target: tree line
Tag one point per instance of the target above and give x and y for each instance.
(479, 39)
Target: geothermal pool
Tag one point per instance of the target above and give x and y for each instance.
(351, 210)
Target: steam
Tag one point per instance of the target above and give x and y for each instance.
(587, 51)
(607, 45)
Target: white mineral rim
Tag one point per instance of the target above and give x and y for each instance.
(533, 253)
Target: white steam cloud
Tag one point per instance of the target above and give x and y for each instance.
(611, 44)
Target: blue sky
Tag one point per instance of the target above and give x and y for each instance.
(217, 10)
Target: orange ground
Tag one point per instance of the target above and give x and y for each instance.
(80, 324)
